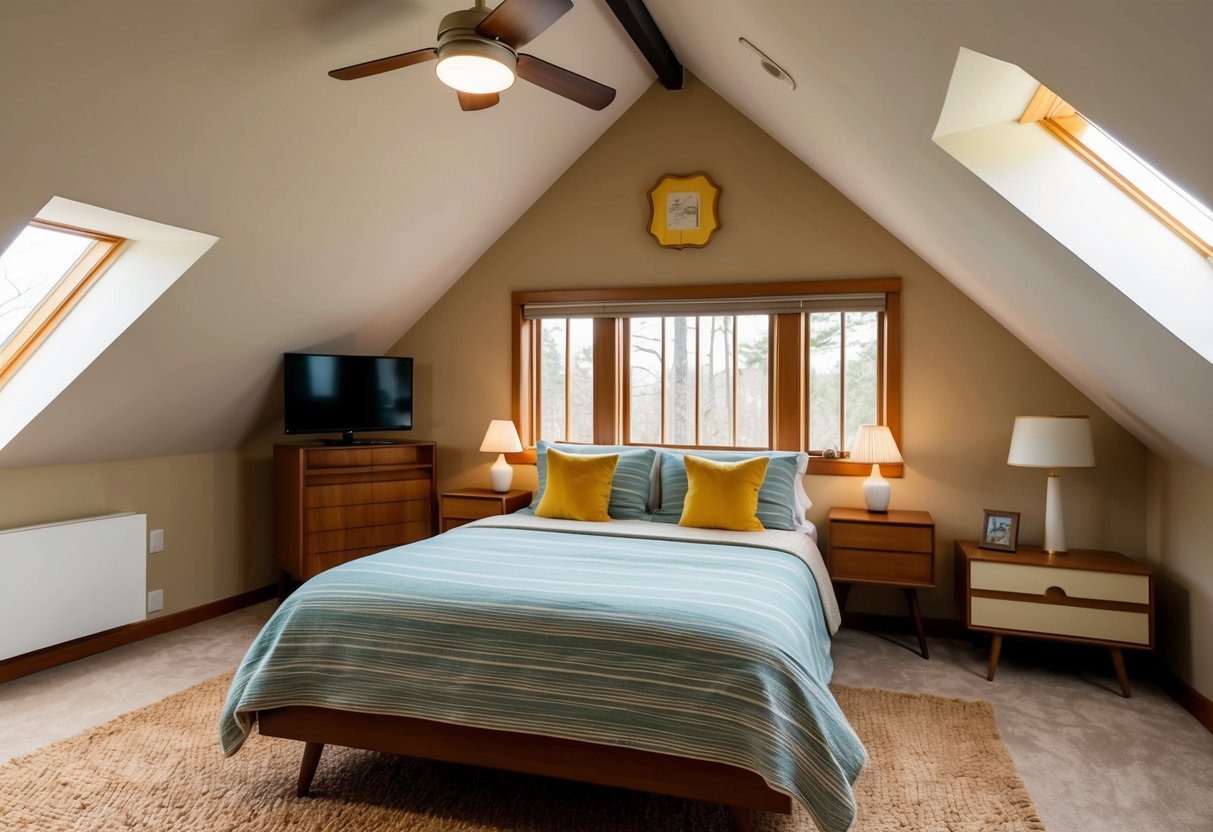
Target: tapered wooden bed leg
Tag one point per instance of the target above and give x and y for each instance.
(307, 769)
(743, 818)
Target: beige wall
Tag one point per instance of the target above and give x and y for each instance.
(214, 509)
(965, 377)
(1181, 546)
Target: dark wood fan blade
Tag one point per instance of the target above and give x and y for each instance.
(572, 86)
(477, 101)
(518, 22)
(349, 73)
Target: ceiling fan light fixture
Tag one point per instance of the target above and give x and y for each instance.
(476, 66)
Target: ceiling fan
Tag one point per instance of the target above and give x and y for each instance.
(478, 55)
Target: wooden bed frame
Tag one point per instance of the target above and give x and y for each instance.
(741, 790)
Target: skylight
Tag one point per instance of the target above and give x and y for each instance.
(1112, 210)
(43, 274)
(1160, 196)
(105, 278)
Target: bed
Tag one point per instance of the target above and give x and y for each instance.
(682, 661)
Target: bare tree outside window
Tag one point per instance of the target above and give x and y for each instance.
(566, 381)
(680, 340)
(644, 373)
(753, 381)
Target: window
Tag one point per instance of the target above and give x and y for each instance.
(566, 380)
(843, 373)
(45, 271)
(1169, 204)
(699, 380)
(795, 366)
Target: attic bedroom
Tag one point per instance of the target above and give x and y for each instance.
(619, 654)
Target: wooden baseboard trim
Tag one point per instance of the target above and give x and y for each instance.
(80, 648)
(1188, 697)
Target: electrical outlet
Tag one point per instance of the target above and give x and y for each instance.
(156, 541)
(155, 600)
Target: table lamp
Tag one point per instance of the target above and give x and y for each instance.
(1052, 442)
(875, 444)
(501, 439)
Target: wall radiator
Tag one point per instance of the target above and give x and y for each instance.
(62, 581)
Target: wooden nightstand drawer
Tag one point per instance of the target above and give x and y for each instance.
(461, 507)
(874, 566)
(469, 508)
(889, 537)
(1117, 626)
(1075, 583)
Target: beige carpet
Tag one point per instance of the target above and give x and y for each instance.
(935, 764)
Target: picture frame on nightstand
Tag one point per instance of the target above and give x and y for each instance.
(999, 530)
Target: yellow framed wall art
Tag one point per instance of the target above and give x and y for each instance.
(685, 210)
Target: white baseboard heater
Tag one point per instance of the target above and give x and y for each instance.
(63, 581)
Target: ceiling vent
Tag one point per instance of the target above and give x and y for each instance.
(770, 67)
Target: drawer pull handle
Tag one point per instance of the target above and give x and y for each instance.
(1055, 595)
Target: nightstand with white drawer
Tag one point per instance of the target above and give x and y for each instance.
(1083, 596)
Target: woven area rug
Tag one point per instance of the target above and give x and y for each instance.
(935, 764)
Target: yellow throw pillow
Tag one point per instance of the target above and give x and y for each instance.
(578, 486)
(723, 495)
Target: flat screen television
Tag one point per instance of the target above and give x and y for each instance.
(347, 393)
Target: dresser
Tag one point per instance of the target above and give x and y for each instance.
(1083, 596)
(336, 503)
(883, 548)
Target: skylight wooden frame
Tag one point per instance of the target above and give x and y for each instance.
(74, 284)
(1068, 125)
(788, 363)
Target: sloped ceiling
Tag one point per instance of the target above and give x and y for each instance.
(872, 76)
(345, 209)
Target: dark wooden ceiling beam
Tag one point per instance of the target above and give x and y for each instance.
(639, 24)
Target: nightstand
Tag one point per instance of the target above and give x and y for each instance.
(1083, 596)
(468, 504)
(892, 548)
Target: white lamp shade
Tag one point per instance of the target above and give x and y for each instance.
(875, 444)
(501, 438)
(1052, 442)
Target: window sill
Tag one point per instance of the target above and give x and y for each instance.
(845, 468)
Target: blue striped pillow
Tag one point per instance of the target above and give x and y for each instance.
(776, 499)
(629, 487)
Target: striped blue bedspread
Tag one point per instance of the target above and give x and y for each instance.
(697, 646)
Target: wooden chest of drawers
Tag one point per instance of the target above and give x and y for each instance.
(333, 504)
(1084, 596)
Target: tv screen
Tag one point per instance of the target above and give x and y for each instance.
(347, 393)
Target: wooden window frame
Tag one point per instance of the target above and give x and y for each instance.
(1068, 125)
(788, 364)
(75, 283)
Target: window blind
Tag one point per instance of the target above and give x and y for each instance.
(769, 305)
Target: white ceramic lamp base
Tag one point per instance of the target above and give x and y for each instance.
(501, 474)
(1055, 527)
(876, 491)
